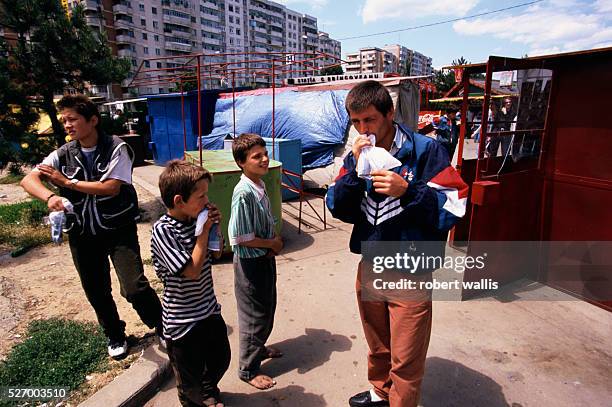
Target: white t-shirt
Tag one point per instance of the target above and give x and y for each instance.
(120, 166)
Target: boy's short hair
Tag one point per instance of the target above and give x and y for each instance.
(369, 93)
(82, 105)
(179, 178)
(243, 143)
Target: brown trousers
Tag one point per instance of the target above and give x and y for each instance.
(397, 332)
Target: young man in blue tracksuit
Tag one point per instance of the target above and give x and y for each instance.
(415, 202)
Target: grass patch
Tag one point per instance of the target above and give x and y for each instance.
(21, 225)
(28, 212)
(56, 352)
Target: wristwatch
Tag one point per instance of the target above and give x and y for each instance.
(73, 181)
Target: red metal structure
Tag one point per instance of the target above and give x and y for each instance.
(554, 185)
(192, 68)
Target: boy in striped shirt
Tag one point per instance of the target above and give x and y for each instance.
(196, 334)
(255, 245)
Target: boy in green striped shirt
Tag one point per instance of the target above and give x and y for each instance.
(255, 245)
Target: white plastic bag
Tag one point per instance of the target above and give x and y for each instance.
(214, 242)
(374, 158)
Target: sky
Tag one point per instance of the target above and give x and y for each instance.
(543, 27)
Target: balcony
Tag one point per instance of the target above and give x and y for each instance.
(276, 43)
(93, 5)
(278, 24)
(122, 9)
(211, 41)
(176, 46)
(211, 5)
(176, 20)
(94, 20)
(126, 53)
(211, 17)
(262, 30)
(124, 39)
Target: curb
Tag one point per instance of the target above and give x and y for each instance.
(136, 386)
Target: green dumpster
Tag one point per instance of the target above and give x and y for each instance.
(226, 175)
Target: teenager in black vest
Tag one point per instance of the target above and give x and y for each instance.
(94, 172)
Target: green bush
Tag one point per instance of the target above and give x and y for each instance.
(56, 352)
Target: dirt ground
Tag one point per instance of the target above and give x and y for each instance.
(43, 283)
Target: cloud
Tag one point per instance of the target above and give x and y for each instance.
(603, 6)
(551, 27)
(374, 10)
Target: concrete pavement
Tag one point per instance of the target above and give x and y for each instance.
(507, 350)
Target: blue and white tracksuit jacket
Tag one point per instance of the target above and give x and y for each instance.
(434, 201)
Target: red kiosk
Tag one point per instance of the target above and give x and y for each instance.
(553, 187)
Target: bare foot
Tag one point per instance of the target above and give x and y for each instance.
(273, 353)
(261, 382)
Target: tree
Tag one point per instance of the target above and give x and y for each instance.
(460, 61)
(16, 114)
(56, 51)
(444, 80)
(332, 70)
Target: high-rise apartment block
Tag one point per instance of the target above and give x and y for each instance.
(141, 29)
(390, 59)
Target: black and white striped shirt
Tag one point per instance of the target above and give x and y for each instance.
(184, 301)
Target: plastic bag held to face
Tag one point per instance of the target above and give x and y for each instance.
(374, 158)
(214, 241)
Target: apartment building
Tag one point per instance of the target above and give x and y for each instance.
(330, 47)
(371, 59)
(410, 62)
(141, 29)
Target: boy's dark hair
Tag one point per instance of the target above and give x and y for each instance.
(243, 143)
(179, 178)
(369, 93)
(82, 105)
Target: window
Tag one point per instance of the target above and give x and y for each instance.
(159, 64)
(145, 50)
(230, 7)
(155, 24)
(147, 64)
(156, 38)
(154, 10)
(144, 36)
(237, 20)
(134, 62)
(231, 41)
(231, 19)
(157, 51)
(238, 31)
(141, 7)
(231, 30)
(237, 9)
(143, 22)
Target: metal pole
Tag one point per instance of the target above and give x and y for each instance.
(464, 123)
(273, 105)
(484, 121)
(234, 100)
(199, 110)
(183, 119)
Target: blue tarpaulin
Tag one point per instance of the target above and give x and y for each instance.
(319, 119)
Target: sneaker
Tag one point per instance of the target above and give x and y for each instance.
(117, 349)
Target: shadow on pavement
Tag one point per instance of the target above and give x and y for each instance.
(449, 383)
(306, 352)
(293, 240)
(289, 396)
